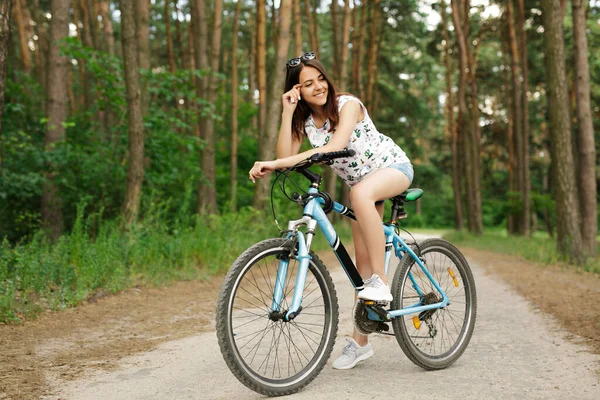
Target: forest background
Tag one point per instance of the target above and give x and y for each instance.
(127, 128)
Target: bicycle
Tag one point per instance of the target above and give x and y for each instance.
(277, 313)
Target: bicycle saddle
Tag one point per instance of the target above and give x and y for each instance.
(408, 195)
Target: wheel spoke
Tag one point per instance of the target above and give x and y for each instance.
(264, 344)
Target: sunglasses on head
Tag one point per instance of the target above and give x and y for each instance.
(294, 62)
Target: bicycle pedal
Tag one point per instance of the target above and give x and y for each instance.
(372, 303)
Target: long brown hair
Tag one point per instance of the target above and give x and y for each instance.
(303, 111)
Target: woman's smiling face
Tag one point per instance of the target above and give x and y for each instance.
(314, 86)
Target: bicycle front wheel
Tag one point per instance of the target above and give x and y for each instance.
(265, 352)
(435, 339)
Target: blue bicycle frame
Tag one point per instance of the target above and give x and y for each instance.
(313, 216)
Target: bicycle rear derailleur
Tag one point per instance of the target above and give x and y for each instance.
(370, 317)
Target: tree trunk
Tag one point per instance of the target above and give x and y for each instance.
(57, 114)
(526, 188)
(372, 54)
(297, 28)
(180, 50)
(86, 37)
(269, 138)
(274, 27)
(253, 74)
(21, 16)
(516, 95)
(234, 110)
(92, 22)
(200, 38)
(312, 29)
(135, 167)
(170, 54)
(475, 142)
(453, 132)
(107, 26)
(345, 39)
(335, 41)
(586, 143)
(512, 159)
(261, 63)
(567, 210)
(4, 43)
(208, 190)
(358, 49)
(142, 20)
(464, 118)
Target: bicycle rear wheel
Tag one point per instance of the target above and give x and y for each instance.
(266, 353)
(437, 338)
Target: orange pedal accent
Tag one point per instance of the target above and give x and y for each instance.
(416, 322)
(453, 277)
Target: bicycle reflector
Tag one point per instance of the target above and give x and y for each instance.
(416, 322)
(453, 277)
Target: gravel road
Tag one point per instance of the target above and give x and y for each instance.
(515, 352)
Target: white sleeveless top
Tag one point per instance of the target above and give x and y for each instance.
(373, 150)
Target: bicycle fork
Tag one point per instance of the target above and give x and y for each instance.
(303, 257)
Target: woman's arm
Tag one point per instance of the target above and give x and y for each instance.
(350, 114)
(287, 144)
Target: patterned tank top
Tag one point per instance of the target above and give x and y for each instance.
(373, 150)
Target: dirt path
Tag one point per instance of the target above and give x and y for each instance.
(120, 340)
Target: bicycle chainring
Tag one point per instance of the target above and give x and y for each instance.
(362, 323)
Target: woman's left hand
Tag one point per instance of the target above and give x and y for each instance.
(260, 169)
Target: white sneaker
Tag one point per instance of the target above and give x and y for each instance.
(352, 354)
(375, 290)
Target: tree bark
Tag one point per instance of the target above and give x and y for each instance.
(475, 142)
(516, 95)
(274, 28)
(21, 16)
(512, 159)
(107, 26)
(335, 40)
(358, 49)
(234, 110)
(453, 132)
(92, 22)
(170, 54)
(142, 20)
(567, 210)
(586, 143)
(372, 53)
(180, 50)
(312, 28)
(253, 74)
(5, 10)
(297, 28)
(345, 39)
(57, 113)
(469, 118)
(261, 63)
(526, 187)
(135, 167)
(86, 37)
(269, 138)
(208, 190)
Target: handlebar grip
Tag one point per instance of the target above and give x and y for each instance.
(340, 154)
(321, 157)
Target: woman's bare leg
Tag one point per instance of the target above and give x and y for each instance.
(380, 185)
(363, 265)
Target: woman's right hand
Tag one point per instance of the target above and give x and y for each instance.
(290, 99)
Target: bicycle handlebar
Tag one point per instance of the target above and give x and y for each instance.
(327, 157)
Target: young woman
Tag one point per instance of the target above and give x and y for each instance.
(378, 170)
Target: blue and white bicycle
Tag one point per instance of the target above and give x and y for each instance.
(277, 313)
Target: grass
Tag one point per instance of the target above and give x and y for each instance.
(539, 247)
(38, 275)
